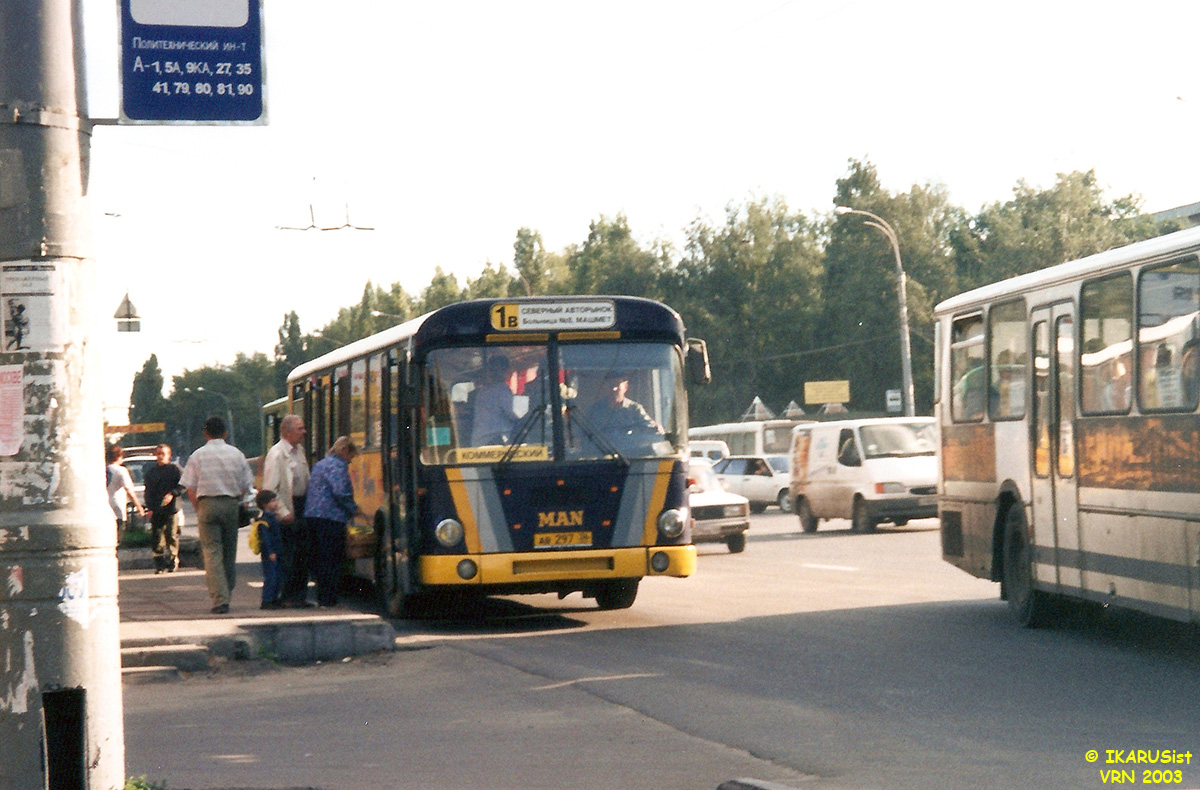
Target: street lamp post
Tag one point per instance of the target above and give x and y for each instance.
(225, 400)
(881, 225)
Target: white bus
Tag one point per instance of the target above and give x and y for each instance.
(755, 437)
(1070, 463)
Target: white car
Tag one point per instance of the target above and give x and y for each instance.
(717, 515)
(763, 479)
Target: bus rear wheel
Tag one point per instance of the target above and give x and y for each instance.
(619, 594)
(1030, 607)
(388, 586)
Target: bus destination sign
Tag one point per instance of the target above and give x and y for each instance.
(192, 62)
(553, 316)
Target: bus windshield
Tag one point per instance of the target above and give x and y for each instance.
(621, 399)
(488, 404)
(898, 440)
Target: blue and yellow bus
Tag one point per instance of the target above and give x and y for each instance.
(550, 496)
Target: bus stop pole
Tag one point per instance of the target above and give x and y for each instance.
(61, 722)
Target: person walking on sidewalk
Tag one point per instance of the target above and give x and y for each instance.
(216, 477)
(329, 506)
(285, 471)
(162, 494)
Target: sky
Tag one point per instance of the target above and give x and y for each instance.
(447, 126)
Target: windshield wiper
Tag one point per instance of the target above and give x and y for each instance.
(510, 449)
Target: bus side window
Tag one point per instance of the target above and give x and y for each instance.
(969, 387)
(1106, 359)
(1168, 305)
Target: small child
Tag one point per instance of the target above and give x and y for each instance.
(270, 539)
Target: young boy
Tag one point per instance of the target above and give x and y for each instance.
(270, 539)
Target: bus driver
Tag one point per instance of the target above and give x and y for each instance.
(620, 419)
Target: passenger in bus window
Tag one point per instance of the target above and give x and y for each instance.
(1190, 372)
(1117, 386)
(494, 419)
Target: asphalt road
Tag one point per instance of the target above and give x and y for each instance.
(832, 660)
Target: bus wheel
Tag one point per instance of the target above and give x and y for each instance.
(617, 595)
(808, 522)
(860, 520)
(784, 500)
(1029, 606)
(388, 586)
(736, 543)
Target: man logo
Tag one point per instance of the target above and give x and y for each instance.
(560, 518)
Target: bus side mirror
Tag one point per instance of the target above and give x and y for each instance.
(698, 369)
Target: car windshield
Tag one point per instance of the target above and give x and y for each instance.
(898, 440)
(500, 404)
(137, 468)
(780, 464)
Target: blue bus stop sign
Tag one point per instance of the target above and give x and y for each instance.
(192, 62)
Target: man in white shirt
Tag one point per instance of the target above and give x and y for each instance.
(285, 471)
(216, 477)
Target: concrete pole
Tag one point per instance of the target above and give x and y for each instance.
(61, 720)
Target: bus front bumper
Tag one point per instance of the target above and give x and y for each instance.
(553, 568)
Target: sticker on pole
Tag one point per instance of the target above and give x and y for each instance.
(553, 316)
(192, 62)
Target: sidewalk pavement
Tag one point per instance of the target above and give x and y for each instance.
(167, 624)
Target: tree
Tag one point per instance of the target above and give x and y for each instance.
(442, 290)
(289, 351)
(610, 261)
(540, 273)
(860, 321)
(1040, 228)
(494, 282)
(752, 289)
(146, 401)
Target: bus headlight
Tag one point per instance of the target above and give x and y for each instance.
(659, 561)
(671, 523)
(449, 533)
(467, 569)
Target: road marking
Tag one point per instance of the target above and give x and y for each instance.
(590, 680)
(827, 567)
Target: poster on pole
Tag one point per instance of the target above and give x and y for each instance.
(12, 409)
(192, 62)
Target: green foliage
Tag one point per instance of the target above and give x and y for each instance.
(781, 298)
(146, 401)
(141, 783)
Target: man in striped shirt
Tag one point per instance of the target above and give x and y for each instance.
(216, 477)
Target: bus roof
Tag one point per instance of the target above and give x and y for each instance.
(388, 337)
(1110, 260)
(634, 314)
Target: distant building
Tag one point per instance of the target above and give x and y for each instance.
(1188, 216)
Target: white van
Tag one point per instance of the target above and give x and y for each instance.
(869, 470)
(712, 449)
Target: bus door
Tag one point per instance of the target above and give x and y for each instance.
(1055, 506)
(394, 561)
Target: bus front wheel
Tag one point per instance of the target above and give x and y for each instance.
(619, 594)
(1028, 606)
